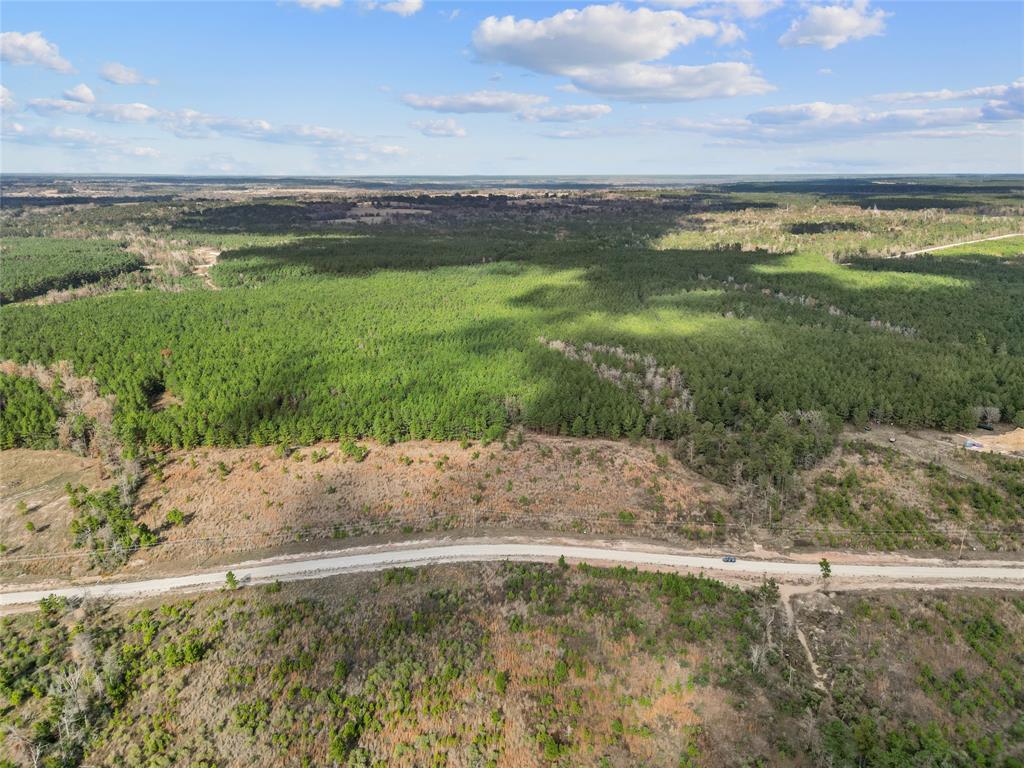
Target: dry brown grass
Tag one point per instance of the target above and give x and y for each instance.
(252, 499)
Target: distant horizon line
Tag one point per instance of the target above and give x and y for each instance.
(767, 175)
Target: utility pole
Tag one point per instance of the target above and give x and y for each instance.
(963, 535)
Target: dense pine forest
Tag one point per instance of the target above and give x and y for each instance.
(747, 325)
(32, 266)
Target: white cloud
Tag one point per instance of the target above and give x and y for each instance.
(596, 37)
(119, 74)
(646, 82)
(6, 98)
(75, 139)
(568, 114)
(110, 113)
(477, 101)
(588, 132)
(983, 92)
(446, 128)
(141, 151)
(80, 92)
(832, 25)
(574, 133)
(1002, 102)
(824, 71)
(526, 106)
(55, 106)
(316, 5)
(192, 124)
(32, 48)
(747, 9)
(730, 33)
(606, 49)
(401, 7)
(823, 121)
(125, 113)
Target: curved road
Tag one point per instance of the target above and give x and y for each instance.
(1002, 575)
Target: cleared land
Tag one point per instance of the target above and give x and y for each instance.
(522, 665)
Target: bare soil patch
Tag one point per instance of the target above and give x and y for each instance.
(1007, 443)
(926, 445)
(551, 483)
(251, 499)
(32, 492)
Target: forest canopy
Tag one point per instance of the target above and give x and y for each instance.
(30, 266)
(779, 323)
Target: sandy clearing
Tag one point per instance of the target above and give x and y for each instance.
(1008, 443)
(203, 270)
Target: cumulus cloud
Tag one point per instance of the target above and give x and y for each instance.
(946, 94)
(110, 113)
(193, 124)
(1002, 102)
(32, 48)
(316, 5)
(446, 128)
(55, 106)
(597, 36)
(76, 139)
(588, 132)
(828, 26)
(607, 49)
(646, 82)
(730, 33)
(125, 113)
(401, 7)
(477, 101)
(190, 123)
(747, 9)
(568, 114)
(6, 98)
(119, 74)
(80, 92)
(821, 121)
(526, 106)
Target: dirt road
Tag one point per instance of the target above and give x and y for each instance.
(203, 270)
(965, 242)
(1002, 575)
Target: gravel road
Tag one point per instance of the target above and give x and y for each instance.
(1002, 575)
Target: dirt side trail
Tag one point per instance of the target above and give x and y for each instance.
(209, 256)
(965, 242)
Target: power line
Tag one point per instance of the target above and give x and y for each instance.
(328, 533)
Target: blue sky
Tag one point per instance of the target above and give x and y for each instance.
(421, 87)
